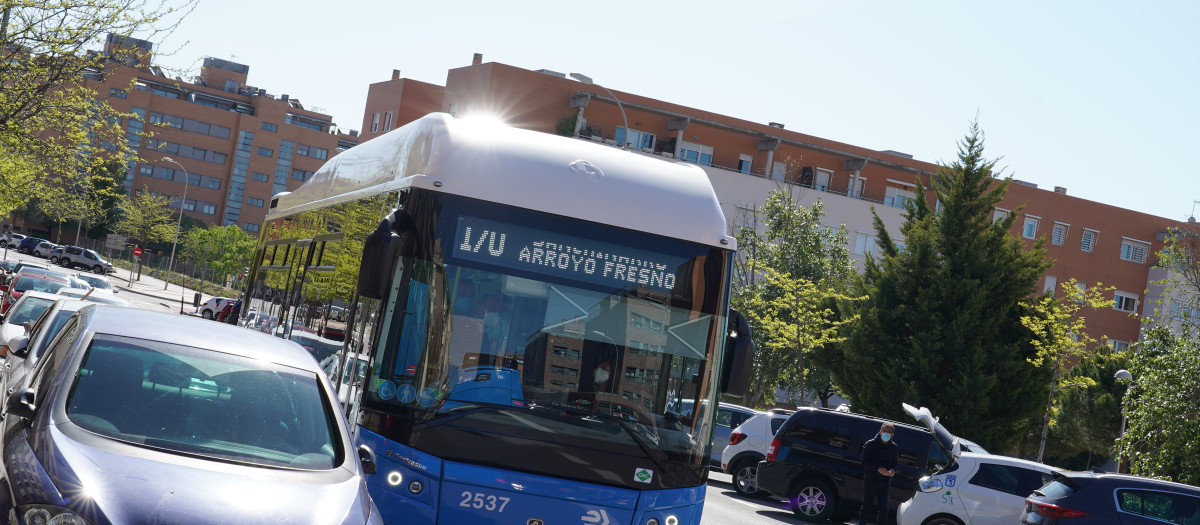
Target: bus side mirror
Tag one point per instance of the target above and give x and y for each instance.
(738, 361)
(381, 251)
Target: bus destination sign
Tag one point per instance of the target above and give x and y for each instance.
(562, 255)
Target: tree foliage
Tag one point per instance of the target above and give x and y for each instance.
(146, 218)
(792, 272)
(227, 250)
(51, 124)
(1061, 340)
(942, 323)
(1088, 418)
(1162, 439)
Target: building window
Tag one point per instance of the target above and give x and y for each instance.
(312, 151)
(1134, 251)
(896, 197)
(744, 162)
(864, 244)
(116, 93)
(250, 227)
(254, 202)
(206, 208)
(1082, 290)
(387, 121)
(375, 123)
(639, 140)
(1119, 346)
(301, 175)
(689, 152)
(1125, 301)
(1088, 242)
(146, 170)
(1051, 285)
(1058, 236)
(1000, 214)
(267, 126)
(266, 152)
(261, 177)
(1031, 225)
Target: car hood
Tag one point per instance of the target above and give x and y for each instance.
(129, 484)
(949, 441)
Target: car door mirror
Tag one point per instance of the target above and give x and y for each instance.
(20, 403)
(19, 346)
(366, 457)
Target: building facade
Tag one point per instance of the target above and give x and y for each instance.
(238, 144)
(1094, 243)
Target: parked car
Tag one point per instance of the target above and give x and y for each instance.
(24, 351)
(210, 308)
(815, 460)
(43, 249)
(126, 403)
(7, 265)
(74, 256)
(29, 243)
(979, 489)
(747, 446)
(729, 416)
(99, 282)
(30, 279)
(10, 238)
(25, 310)
(345, 379)
(92, 295)
(1092, 497)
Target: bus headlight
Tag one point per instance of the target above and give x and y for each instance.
(394, 478)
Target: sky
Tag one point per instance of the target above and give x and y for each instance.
(1080, 94)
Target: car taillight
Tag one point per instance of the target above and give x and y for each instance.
(773, 449)
(736, 437)
(1047, 510)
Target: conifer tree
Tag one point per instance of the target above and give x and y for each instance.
(941, 327)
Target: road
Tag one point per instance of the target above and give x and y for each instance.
(723, 505)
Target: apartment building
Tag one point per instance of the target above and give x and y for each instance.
(1094, 243)
(238, 144)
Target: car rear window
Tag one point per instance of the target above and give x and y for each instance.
(26, 283)
(1056, 489)
(776, 423)
(206, 403)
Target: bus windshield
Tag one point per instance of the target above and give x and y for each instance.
(552, 331)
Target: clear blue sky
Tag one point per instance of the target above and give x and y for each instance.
(1096, 96)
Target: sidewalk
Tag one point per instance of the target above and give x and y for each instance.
(153, 287)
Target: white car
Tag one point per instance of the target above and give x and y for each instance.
(96, 297)
(212, 307)
(747, 446)
(99, 282)
(976, 489)
(27, 308)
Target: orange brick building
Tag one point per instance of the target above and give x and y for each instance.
(238, 144)
(1089, 241)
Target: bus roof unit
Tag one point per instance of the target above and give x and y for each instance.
(459, 156)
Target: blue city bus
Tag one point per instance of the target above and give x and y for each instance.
(546, 321)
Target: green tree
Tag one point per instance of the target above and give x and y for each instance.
(51, 124)
(1088, 419)
(792, 271)
(942, 323)
(146, 218)
(1162, 405)
(1061, 339)
(224, 249)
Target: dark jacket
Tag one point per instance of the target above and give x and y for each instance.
(879, 453)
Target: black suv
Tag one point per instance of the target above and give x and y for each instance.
(1090, 497)
(72, 256)
(815, 460)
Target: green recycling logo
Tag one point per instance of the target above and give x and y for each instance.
(643, 475)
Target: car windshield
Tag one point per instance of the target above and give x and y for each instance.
(26, 283)
(201, 402)
(97, 282)
(30, 309)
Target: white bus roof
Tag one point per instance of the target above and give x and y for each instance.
(549, 173)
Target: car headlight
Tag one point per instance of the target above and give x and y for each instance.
(48, 515)
(930, 484)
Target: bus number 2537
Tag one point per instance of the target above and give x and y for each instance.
(479, 500)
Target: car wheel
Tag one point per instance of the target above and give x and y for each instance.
(813, 500)
(37, 254)
(98, 269)
(207, 314)
(3, 244)
(943, 520)
(745, 478)
(53, 260)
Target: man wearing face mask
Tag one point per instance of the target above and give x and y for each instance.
(879, 459)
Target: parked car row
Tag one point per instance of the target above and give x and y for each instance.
(812, 459)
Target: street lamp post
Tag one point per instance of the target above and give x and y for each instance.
(588, 80)
(1123, 462)
(178, 226)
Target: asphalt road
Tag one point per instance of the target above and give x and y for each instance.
(724, 506)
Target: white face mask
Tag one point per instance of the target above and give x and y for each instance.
(601, 375)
